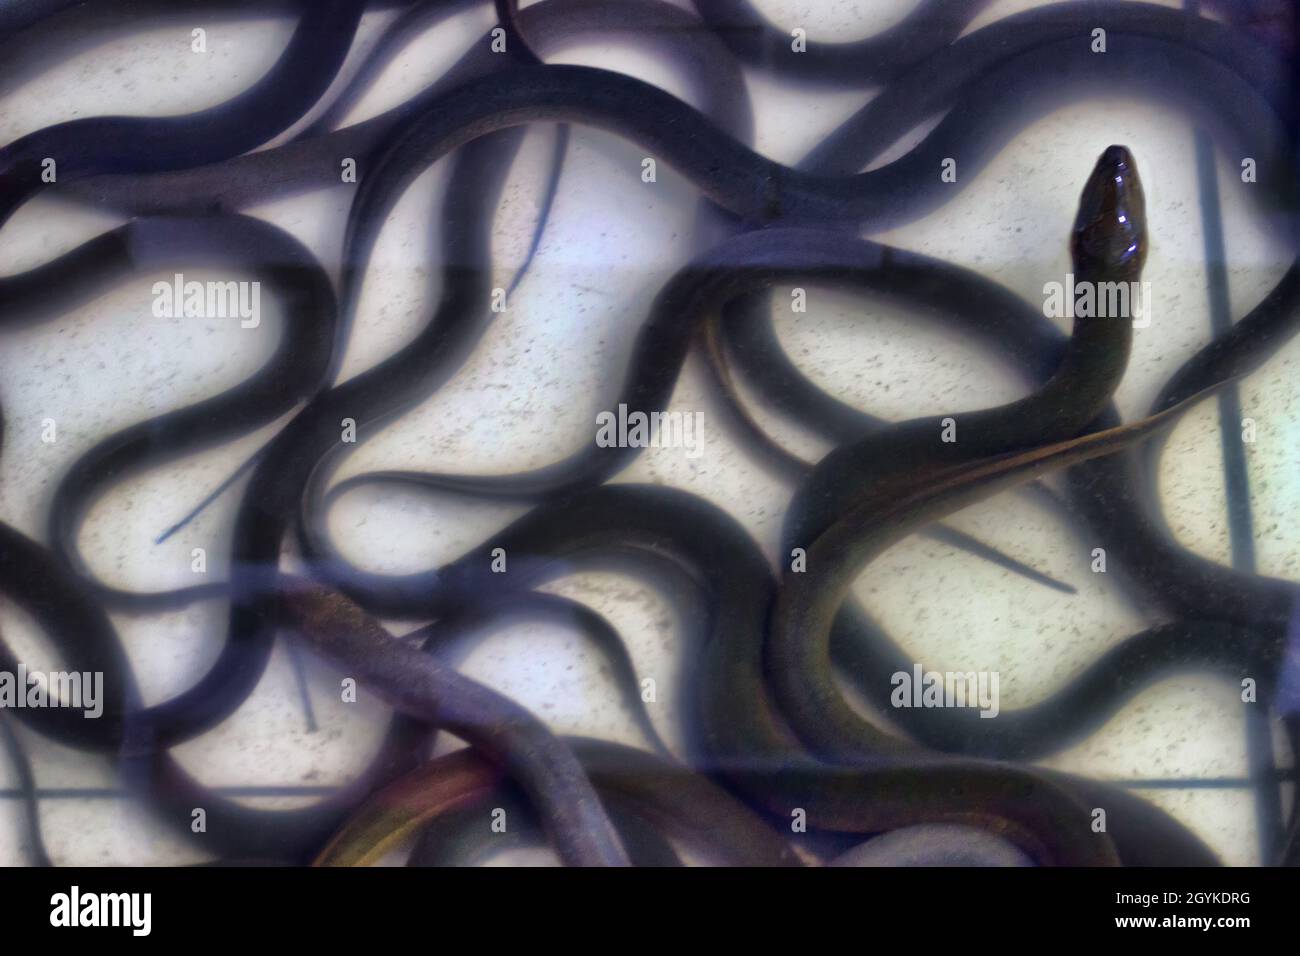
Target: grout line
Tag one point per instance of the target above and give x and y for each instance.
(292, 790)
(1259, 732)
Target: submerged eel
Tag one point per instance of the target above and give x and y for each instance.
(427, 694)
(121, 144)
(1109, 244)
(726, 696)
(1204, 66)
(465, 836)
(27, 782)
(737, 739)
(1224, 620)
(417, 684)
(296, 370)
(451, 633)
(659, 795)
(477, 177)
(813, 197)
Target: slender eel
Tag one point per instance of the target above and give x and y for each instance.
(930, 27)
(734, 727)
(290, 274)
(27, 783)
(1214, 607)
(984, 120)
(1109, 244)
(311, 160)
(418, 685)
(653, 793)
(394, 813)
(747, 327)
(763, 714)
(450, 634)
(120, 144)
(866, 519)
(77, 626)
(466, 837)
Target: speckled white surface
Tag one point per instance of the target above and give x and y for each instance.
(529, 393)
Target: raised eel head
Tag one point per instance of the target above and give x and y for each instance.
(1110, 232)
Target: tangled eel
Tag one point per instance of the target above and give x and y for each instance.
(769, 733)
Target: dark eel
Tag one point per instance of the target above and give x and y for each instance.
(294, 373)
(275, 488)
(478, 162)
(311, 160)
(1109, 244)
(27, 783)
(931, 26)
(446, 638)
(656, 799)
(866, 495)
(415, 683)
(119, 144)
(1093, 348)
(745, 739)
(803, 197)
(1214, 607)
(465, 837)
(991, 109)
(331, 624)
